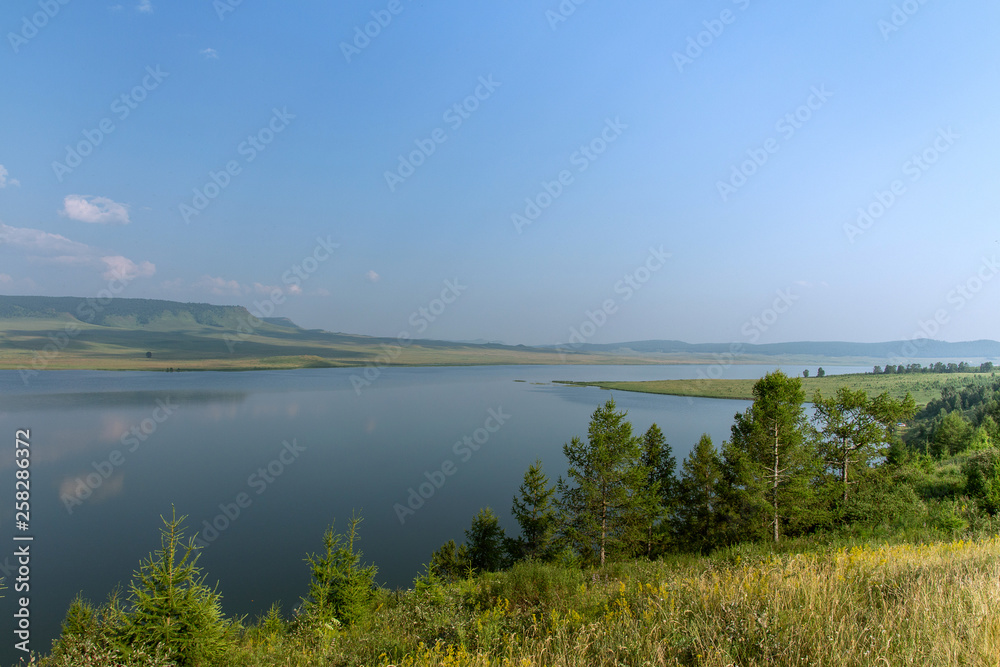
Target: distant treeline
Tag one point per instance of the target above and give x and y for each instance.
(939, 367)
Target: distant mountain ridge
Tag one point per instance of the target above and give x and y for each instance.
(123, 313)
(923, 348)
(174, 326)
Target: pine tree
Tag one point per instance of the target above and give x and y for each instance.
(535, 513)
(853, 429)
(341, 589)
(661, 487)
(487, 544)
(450, 562)
(770, 467)
(602, 510)
(171, 606)
(699, 497)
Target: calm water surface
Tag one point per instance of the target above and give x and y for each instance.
(298, 450)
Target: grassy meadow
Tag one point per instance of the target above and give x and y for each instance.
(923, 386)
(931, 603)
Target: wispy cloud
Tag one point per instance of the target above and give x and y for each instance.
(97, 210)
(219, 286)
(145, 6)
(4, 181)
(210, 53)
(35, 240)
(43, 246)
(372, 277)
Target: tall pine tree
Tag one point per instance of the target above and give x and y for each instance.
(661, 488)
(696, 519)
(771, 466)
(602, 503)
(534, 510)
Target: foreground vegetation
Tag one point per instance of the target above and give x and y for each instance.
(821, 541)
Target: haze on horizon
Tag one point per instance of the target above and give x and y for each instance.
(660, 170)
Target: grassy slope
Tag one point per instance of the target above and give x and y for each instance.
(882, 604)
(54, 343)
(179, 342)
(924, 387)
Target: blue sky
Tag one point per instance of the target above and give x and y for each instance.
(740, 137)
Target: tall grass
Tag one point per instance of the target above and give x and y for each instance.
(921, 604)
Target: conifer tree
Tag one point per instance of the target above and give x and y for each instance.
(534, 510)
(171, 607)
(661, 487)
(341, 588)
(487, 543)
(854, 428)
(770, 466)
(602, 502)
(699, 497)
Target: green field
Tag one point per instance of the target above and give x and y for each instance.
(60, 343)
(923, 386)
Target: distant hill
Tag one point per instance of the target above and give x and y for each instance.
(71, 332)
(926, 349)
(40, 333)
(139, 313)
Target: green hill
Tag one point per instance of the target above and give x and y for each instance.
(38, 333)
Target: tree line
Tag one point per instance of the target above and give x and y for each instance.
(938, 367)
(780, 474)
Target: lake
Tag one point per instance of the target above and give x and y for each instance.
(262, 462)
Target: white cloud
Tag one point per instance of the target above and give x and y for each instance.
(97, 210)
(4, 181)
(123, 268)
(373, 277)
(5, 279)
(38, 245)
(219, 286)
(145, 6)
(295, 289)
(43, 242)
(210, 53)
